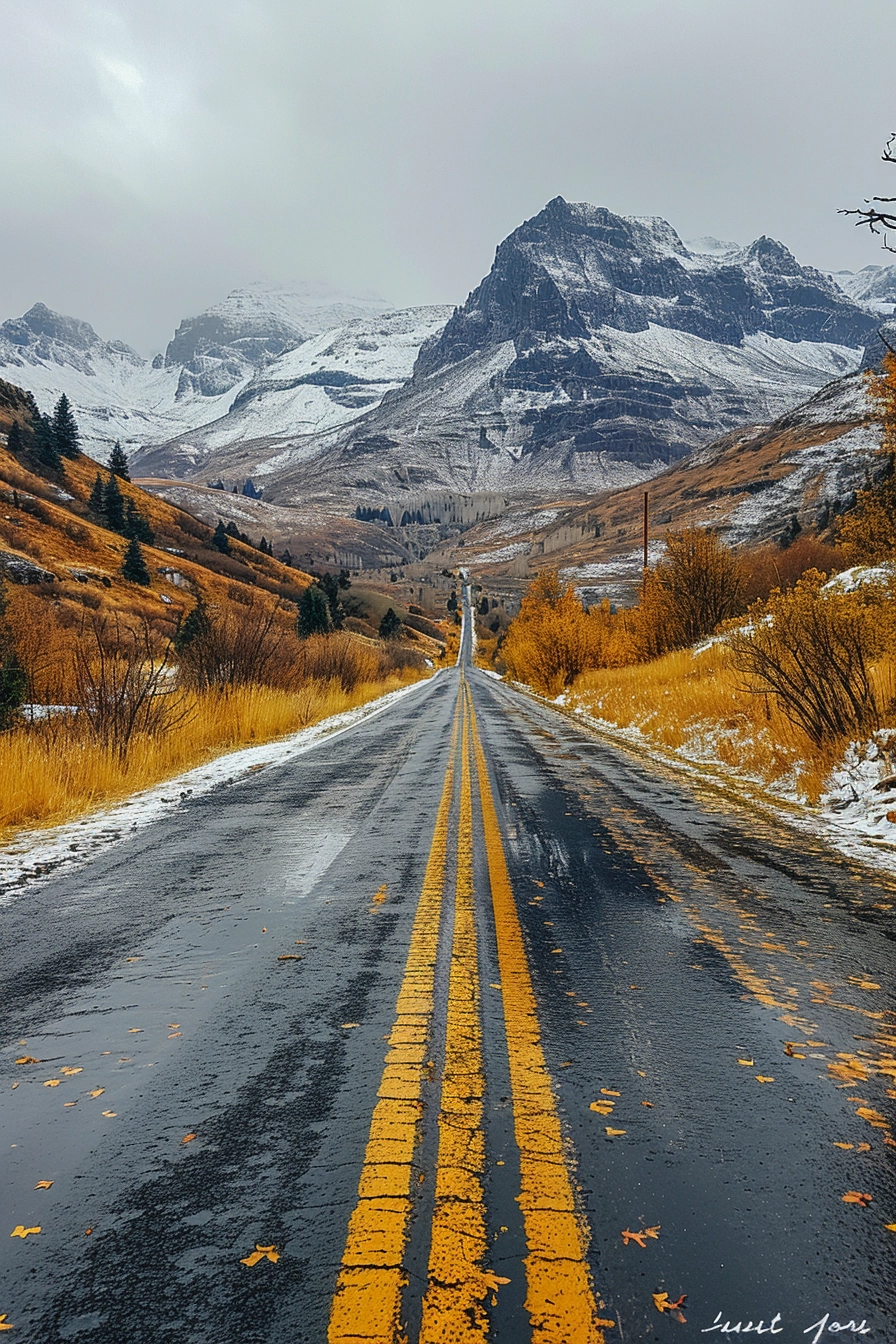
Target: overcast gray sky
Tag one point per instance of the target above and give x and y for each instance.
(156, 153)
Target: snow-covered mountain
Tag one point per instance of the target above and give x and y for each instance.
(597, 350)
(119, 395)
(873, 286)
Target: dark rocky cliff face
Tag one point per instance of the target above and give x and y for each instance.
(575, 269)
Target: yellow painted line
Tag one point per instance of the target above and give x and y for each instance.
(453, 1306)
(366, 1307)
(560, 1298)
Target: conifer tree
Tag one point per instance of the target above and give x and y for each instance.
(118, 462)
(391, 625)
(13, 678)
(219, 541)
(97, 501)
(44, 445)
(136, 524)
(196, 626)
(113, 504)
(65, 429)
(15, 441)
(133, 566)
(314, 612)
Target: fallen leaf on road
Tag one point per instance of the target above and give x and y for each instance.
(52, 1082)
(762, 1078)
(188, 1138)
(614, 1133)
(97, 1092)
(842, 1145)
(264, 930)
(608, 1092)
(172, 1035)
(261, 1253)
(24, 1232)
(663, 1302)
(863, 984)
(602, 1107)
(132, 958)
(134, 1031)
(346, 1026)
(70, 1072)
(290, 956)
(4, 1323)
(789, 1050)
(493, 1281)
(748, 1063)
(647, 1103)
(110, 1115)
(173, 1026)
(890, 1227)
(27, 1059)
(856, 1197)
(863, 1148)
(640, 1236)
(65, 1103)
(874, 1118)
(13, 1085)
(43, 1185)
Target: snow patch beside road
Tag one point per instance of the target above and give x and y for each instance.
(37, 854)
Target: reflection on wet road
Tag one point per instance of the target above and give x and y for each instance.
(463, 1026)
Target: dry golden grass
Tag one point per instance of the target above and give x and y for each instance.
(697, 706)
(51, 773)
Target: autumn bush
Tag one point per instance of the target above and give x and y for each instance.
(868, 532)
(813, 649)
(697, 585)
(553, 639)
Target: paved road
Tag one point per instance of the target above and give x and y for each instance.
(398, 1039)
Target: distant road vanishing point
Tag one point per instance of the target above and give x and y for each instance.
(465, 1025)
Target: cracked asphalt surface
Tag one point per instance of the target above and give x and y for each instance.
(206, 1004)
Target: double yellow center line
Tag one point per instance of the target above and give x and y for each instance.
(367, 1307)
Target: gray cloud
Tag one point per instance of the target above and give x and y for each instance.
(155, 153)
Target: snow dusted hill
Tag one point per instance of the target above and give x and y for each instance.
(119, 395)
(872, 286)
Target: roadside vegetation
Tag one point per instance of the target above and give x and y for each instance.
(136, 642)
(763, 662)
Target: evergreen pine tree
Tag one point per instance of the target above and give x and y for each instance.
(136, 524)
(196, 625)
(330, 587)
(232, 530)
(286, 558)
(391, 625)
(118, 462)
(113, 504)
(15, 441)
(97, 501)
(13, 678)
(219, 541)
(43, 444)
(65, 429)
(314, 612)
(133, 566)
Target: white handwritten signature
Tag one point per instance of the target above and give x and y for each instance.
(774, 1327)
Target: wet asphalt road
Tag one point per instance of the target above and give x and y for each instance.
(720, 987)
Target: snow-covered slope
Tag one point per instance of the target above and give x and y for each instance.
(119, 395)
(597, 350)
(872, 286)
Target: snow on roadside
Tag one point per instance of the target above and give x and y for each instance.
(37, 854)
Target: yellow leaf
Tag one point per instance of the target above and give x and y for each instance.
(290, 956)
(24, 1232)
(52, 1082)
(261, 1253)
(863, 984)
(110, 1115)
(172, 1035)
(874, 1118)
(608, 1092)
(97, 1092)
(748, 1063)
(647, 1103)
(641, 1235)
(173, 1026)
(4, 1323)
(134, 1031)
(890, 1227)
(856, 1197)
(188, 1138)
(69, 1073)
(43, 1185)
(602, 1107)
(27, 1059)
(761, 1078)
(842, 1145)
(493, 1281)
(863, 1148)
(614, 1133)
(347, 1026)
